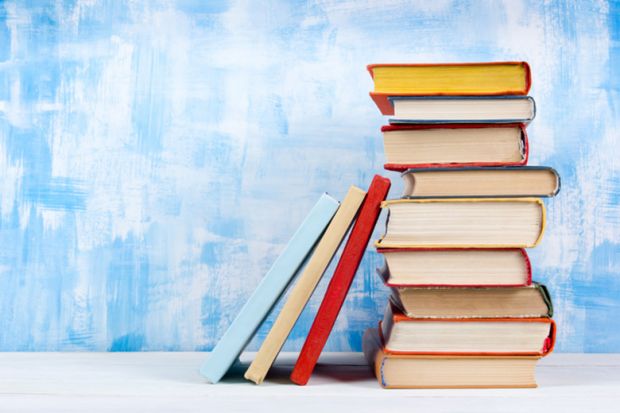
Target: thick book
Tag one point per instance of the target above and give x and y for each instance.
(455, 267)
(474, 336)
(406, 371)
(531, 301)
(341, 280)
(268, 291)
(463, 223)
(448, 79)
(305, 285)
(464, 109)
(526, 181)
(454, 145)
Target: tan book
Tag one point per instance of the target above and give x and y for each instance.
(463, 223)
(454, 267)
(532, 181)
(531, 301)
(307, 282)
(413, 371)
(445, 145)
(532, 336)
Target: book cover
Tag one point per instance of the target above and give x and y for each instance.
(450, 79)
(305, 285)
(268, 291)
(341, 280)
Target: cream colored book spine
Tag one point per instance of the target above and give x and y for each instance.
(301, 292)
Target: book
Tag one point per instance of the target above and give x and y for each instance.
(341, 280)
(455, 267)
(464, 109)
(463, 223)
(305, 285)
(531, 301)
(449, 79)
(488, 336)
(454, 145)
(526, 181)
(262, 300)
(407, 371)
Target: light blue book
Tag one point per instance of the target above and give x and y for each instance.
(269, 290)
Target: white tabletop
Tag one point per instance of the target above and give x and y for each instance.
(169, 382)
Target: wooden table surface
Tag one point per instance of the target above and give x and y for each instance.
(170, 382)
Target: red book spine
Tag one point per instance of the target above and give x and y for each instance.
(341, 280)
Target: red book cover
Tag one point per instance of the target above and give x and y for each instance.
(341, 280)
(404, 167)
(384, 274)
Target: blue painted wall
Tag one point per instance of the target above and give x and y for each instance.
(155, 156)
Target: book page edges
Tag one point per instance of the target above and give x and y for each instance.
(524, 65)
(376, 358)
(380, 243)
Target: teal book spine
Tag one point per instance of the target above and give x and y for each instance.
(271, 287)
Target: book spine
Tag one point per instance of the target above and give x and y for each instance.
(305, 285)
(528, 266)
(268, 291)
(341, 280)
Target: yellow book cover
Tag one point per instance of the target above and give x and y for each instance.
(447, 79)
(494, 78)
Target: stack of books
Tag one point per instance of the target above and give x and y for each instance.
(464, 311)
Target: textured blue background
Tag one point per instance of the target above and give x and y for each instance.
(155, 156)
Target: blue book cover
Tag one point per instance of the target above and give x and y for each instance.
(269, 290)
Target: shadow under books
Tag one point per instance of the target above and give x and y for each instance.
(324, 373)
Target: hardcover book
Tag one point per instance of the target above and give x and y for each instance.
(408, 371)
(268, 291)
(455, 267)
(463, 223)
(526, 181)
(448, 79)
(341, 280)
(464, 109)
(532, 301)
(454, 145)
(475, 336)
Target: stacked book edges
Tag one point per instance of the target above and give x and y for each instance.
(463, 310)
